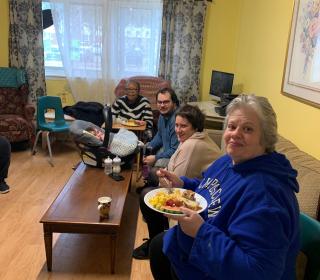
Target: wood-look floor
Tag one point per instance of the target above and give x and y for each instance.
(33, 186)
(140, 269)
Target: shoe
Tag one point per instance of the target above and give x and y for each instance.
(4, 188)
(142, 252)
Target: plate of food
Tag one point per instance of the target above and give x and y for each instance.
(133, 123)
(169, 201)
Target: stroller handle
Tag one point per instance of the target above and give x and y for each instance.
(107, 116)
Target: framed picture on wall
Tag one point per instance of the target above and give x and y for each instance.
(302, 69)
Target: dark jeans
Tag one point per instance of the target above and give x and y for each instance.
(156, 222)
(160, 265)
(5, 151)
(152, 179)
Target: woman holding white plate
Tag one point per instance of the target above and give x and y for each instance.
(250, 229)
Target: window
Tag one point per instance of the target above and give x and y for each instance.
(52, 57)
(124, 35)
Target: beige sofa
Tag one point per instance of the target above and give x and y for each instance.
(308, 169)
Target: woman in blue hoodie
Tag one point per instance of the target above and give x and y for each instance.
(250, 229)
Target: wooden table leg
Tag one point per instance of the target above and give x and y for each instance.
(138, 165)
(113, 244)
(48, 245)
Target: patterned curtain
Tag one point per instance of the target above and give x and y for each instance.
(26, 44)
(181, 46)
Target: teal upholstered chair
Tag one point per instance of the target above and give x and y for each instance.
(58, 125)
(310, 246)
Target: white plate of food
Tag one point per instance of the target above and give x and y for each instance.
(169, 202)
(133, 123)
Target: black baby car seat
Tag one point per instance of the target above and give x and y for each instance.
(92, 150)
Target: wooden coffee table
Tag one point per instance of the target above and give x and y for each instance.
(75, 208)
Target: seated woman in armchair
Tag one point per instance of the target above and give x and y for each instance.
(134, 106)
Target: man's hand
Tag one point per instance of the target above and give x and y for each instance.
(190, 223)
(149, 160)
(140, 122)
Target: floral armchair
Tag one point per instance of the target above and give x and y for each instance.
(16, 115)
(149, 86)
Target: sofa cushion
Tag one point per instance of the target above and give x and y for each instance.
(308, 169)
(216, 136)
(12, 101)
(15, 128)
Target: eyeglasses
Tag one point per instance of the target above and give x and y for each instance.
(165, 102)
(131, 89)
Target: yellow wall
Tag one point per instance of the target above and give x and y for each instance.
(254, 46)
(4, 33)
(60, 88)
(260, 65)
(219, 45)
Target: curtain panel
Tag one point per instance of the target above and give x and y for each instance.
(102, 41)
(181, 46)
(26, 44)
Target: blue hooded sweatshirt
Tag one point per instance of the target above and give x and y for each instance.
(251, 228)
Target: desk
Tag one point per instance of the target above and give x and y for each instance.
(75, 208)
(213, 119)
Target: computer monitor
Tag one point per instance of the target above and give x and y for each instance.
(221, 83)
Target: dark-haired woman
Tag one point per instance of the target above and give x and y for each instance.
(194, 154)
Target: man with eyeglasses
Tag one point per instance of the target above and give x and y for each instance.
(134, 106)
(165, 142)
